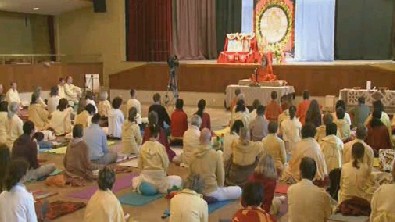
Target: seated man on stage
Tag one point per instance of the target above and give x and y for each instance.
(265, 71)
(72, 92)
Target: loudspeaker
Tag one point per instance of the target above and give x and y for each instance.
(99, 6)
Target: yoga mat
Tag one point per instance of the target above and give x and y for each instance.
(62, 150)
(340, 218)
(120, 183)
(217, 205)
(281, 188)
(136, 199)
(223, 131)
(131, 163)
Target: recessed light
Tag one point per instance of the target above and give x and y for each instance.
(35, 9)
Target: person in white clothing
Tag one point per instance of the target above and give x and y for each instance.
(3, 121)
(340, 103)
(291, 130)
(191, 139)
(61, 118)
(368, 153)
(53, 100)
(332, 148)
(16, 203)
(37, 92)
(72, 92)
(242, 113)
(133, 102)
(12, 94)
(131, 135)
(14, 124)
(230, 137)
(115, 119)
(89, 99)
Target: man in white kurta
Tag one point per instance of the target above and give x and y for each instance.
(71, 91)
(332, 148)
(133, 102)
(368, 157)
(13, 95)
(291, 130)
(189, 206)
(191, 139)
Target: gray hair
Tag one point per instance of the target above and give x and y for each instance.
(245, 135)
(12, 109)
(196, 120)
(205, 137)
(103, 95)
(194, 182)
(266, 167)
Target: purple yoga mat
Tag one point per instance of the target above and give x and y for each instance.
(120, 183)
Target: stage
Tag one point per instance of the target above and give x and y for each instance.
(321, 78)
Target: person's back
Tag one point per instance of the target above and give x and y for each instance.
(332, 148)
(378, 138)
(82, 118)
(360, 114)
(153, 156)
(133, 102)
(354, 182)
(259, 125)
(38, 115)
(104, 108)
(302, 110)
(195, 211)
(274, 146)
(115, 119)
(3, 128)
(61, 118)
(179, 120)
(191, 139)
(53, 102)
(361, 133)
(382, 206)
(245, 154)
(25, 147)
(291, 129)
(96, 139)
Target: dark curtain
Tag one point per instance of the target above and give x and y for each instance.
(148, 29)
(51, 34)
(363, 29)
(228, 20)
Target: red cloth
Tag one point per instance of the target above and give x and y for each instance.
(378, 138)
(205, 121)
(26, 148)
(162, 139)
(302, 111)
(251, 214)
(273, 110)
(179, 123)
(269, 186)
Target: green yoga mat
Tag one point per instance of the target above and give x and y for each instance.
(136, 199)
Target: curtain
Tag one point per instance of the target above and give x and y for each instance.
(247, 16)
(194, 29)
(314, 30)
(229, 19)
(148, 30)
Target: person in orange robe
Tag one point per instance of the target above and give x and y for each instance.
(265, 71)
(273, 109)
(303, 107)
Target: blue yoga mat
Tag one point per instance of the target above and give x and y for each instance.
(136, 199)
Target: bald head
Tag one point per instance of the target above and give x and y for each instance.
(205, 137)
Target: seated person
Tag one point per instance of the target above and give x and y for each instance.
(206, 122)
(104, 106)
(341, 104)
(53, 100)
(90, 99)
(131, 134)
(258, 126)
(307, 147)
(343, 126)
(306, 201)
(14, 125)
(153, 163)
(16, 202)
(266, 175)
(104, 205)
(360, 113)
(191, 139)
(244, 157)
(321, 130)
(38, 115)
(76, 161)
(196, 209)
(39, 138)
(230, 137)
(61, 119)
(209, 165)
(291, 130)
(235, 99)
(368, 156)
(355, 177)
(153, 120)
(96, 139)
(255, 104)
(115, 119)
(286, 102)
(25, 147)
(12, 94)
(378, 137)
(3, 121)
(273, 109)
(275, 147)
(313, 114)
(4, 162)
(385, 119)
(252, 196)
(303, 107)
(382, 206)
(85, 117)
(242, 113)
(133, 102)
(179, 122)
(163, 117)
(332, 148)
(71, 91)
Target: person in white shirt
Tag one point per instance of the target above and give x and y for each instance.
(12, 94)
(332, 148)
(72, 92)
(368, 153)
(16, 203)
(61, 118)
(291, 130)
(191, 139)
(197, 209)
(115, 119)
(61, 84)
(14, 124)
(242, 113)
(343, 127)
(230, 137)
(342, 104)
(104, 205)
(53, 100)
(133, 102)
(3, 121)
(131, 135)
(89, 99)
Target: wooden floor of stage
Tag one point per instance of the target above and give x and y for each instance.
(321, 78)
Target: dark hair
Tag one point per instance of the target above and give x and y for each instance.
(328, 118)
(106, 179)
(154, 130)
(308, 131)
(153, 118)
(89, 95)
(260, 110)
(306, 94)
(33, 98)
(272, 127)
(256, 103)
(340, 113)
(361, 100)
(308, 168)
(116, 102)
(273, 95)
(376, 119)
(17, 169)
(292, 111)
(358, 150)
(132, 92)
(237, 91)
(156, 97)
(78, 131)
(61, 79)
(4, 161)
(201, 107)
(340, 103)
(179, 103)
(39, 136)
(313, 114)
(67, 78)
(240, 107)
(54, 91)
(132, 114)
(63, 103)
(28, 127)
(237, 125)
(331, 129)
(253, 194)
(361, 132)
(95, 118)
(3, 106)
(378, 105)
(90, 109)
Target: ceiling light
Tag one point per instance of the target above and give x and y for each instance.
(35, 9)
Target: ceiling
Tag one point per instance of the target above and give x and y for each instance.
(46, 7)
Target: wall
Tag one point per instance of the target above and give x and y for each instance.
(23, 34)
(83, 32)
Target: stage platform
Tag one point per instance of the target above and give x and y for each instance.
(321, 78)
